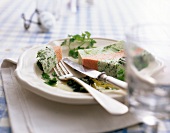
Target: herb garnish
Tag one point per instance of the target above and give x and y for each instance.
(48, 80)
(99, 85)
(76, 42)
(77, 87)
(39, 65)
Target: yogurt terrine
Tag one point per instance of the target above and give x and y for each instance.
(108, 59)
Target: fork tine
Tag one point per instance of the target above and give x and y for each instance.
(63, 67)
(58, 70)
(62, 71)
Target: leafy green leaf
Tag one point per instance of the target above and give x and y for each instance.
(54, 74)
(73, 53)
(45, 76)
(84, 42)
(48, 80)
(51, 82)
(64, 42)
(88, 34)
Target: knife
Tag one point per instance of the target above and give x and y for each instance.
(95, 74)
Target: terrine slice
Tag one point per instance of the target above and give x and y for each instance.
(105, 59)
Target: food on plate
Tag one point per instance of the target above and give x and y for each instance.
(99, 85)
(109, 59)
(58, 52)
(49, 79)
(76, 42)
(46, 60)
(48, 57)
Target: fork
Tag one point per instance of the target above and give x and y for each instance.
(111, 105)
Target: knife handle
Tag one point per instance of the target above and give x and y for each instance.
(113, 81)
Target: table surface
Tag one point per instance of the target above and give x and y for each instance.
(104, 18)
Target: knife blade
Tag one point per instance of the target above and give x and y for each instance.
(95, 74)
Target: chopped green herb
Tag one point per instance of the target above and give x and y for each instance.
(39, 65)
(77, 87)
(121, 74)
(45, 76)
(76, 42)
(48, 80)
(99, 85)
(54, 74)
(51, 82)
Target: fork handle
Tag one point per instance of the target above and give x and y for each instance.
(111, 105)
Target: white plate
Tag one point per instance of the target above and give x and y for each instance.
(29, 76)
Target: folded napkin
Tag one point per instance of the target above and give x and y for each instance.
(30, 113)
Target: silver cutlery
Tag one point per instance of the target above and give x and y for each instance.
(111, 105)
(95, 74)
